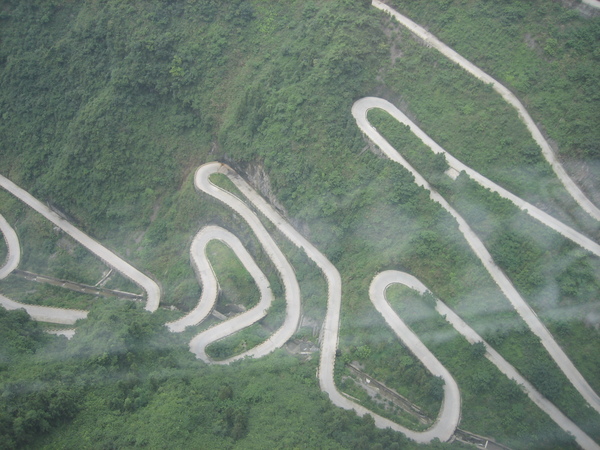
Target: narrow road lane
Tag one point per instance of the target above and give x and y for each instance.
(507, 95)
(391, 276)
(449, 414)
(13, 248)
(45, 313)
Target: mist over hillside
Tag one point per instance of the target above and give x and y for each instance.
(108, 108)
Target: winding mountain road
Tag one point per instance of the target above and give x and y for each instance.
(359, 111)
(449, 415)
(444, 427)
(286, 271)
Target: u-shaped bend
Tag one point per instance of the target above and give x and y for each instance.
(359, 110)
(208, 279)
(286, 272)
(37, 312)
(330, 329)
(449, 415)
(13, 247)
(389, 277)
(507, 95)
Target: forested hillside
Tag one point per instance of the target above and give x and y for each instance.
(106, 110)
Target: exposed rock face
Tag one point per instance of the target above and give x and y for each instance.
(258, 178)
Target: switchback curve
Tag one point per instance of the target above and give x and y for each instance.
(389, 277)
(330, 328)
(449, 414)
(506, 94)
(210, 285)
(13, 248)
(286, 271)
(36, 312)
(359, 111)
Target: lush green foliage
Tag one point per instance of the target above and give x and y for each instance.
(108, 107)
(124, 380)
(543, 52)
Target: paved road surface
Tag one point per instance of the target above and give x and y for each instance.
(286, 271)
(67, 333)
(508, 96)
(14, 248)
(391, 276)
(40, 313)
(594, 3)
(449, 414)
(520, 305)
(45, 313)
(210, 290)
(150, 286)
(210, 285)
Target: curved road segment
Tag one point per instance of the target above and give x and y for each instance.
(209, 283)
(36, 312)
(210, 289)
(508, 96)
(449, 414)
(385, 279)
(146, 283)
(359, 111)
(13, 248)
(286, 271)
(330, 329)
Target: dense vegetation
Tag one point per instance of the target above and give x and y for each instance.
(108, 107)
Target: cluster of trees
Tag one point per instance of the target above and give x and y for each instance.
(124, 380)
